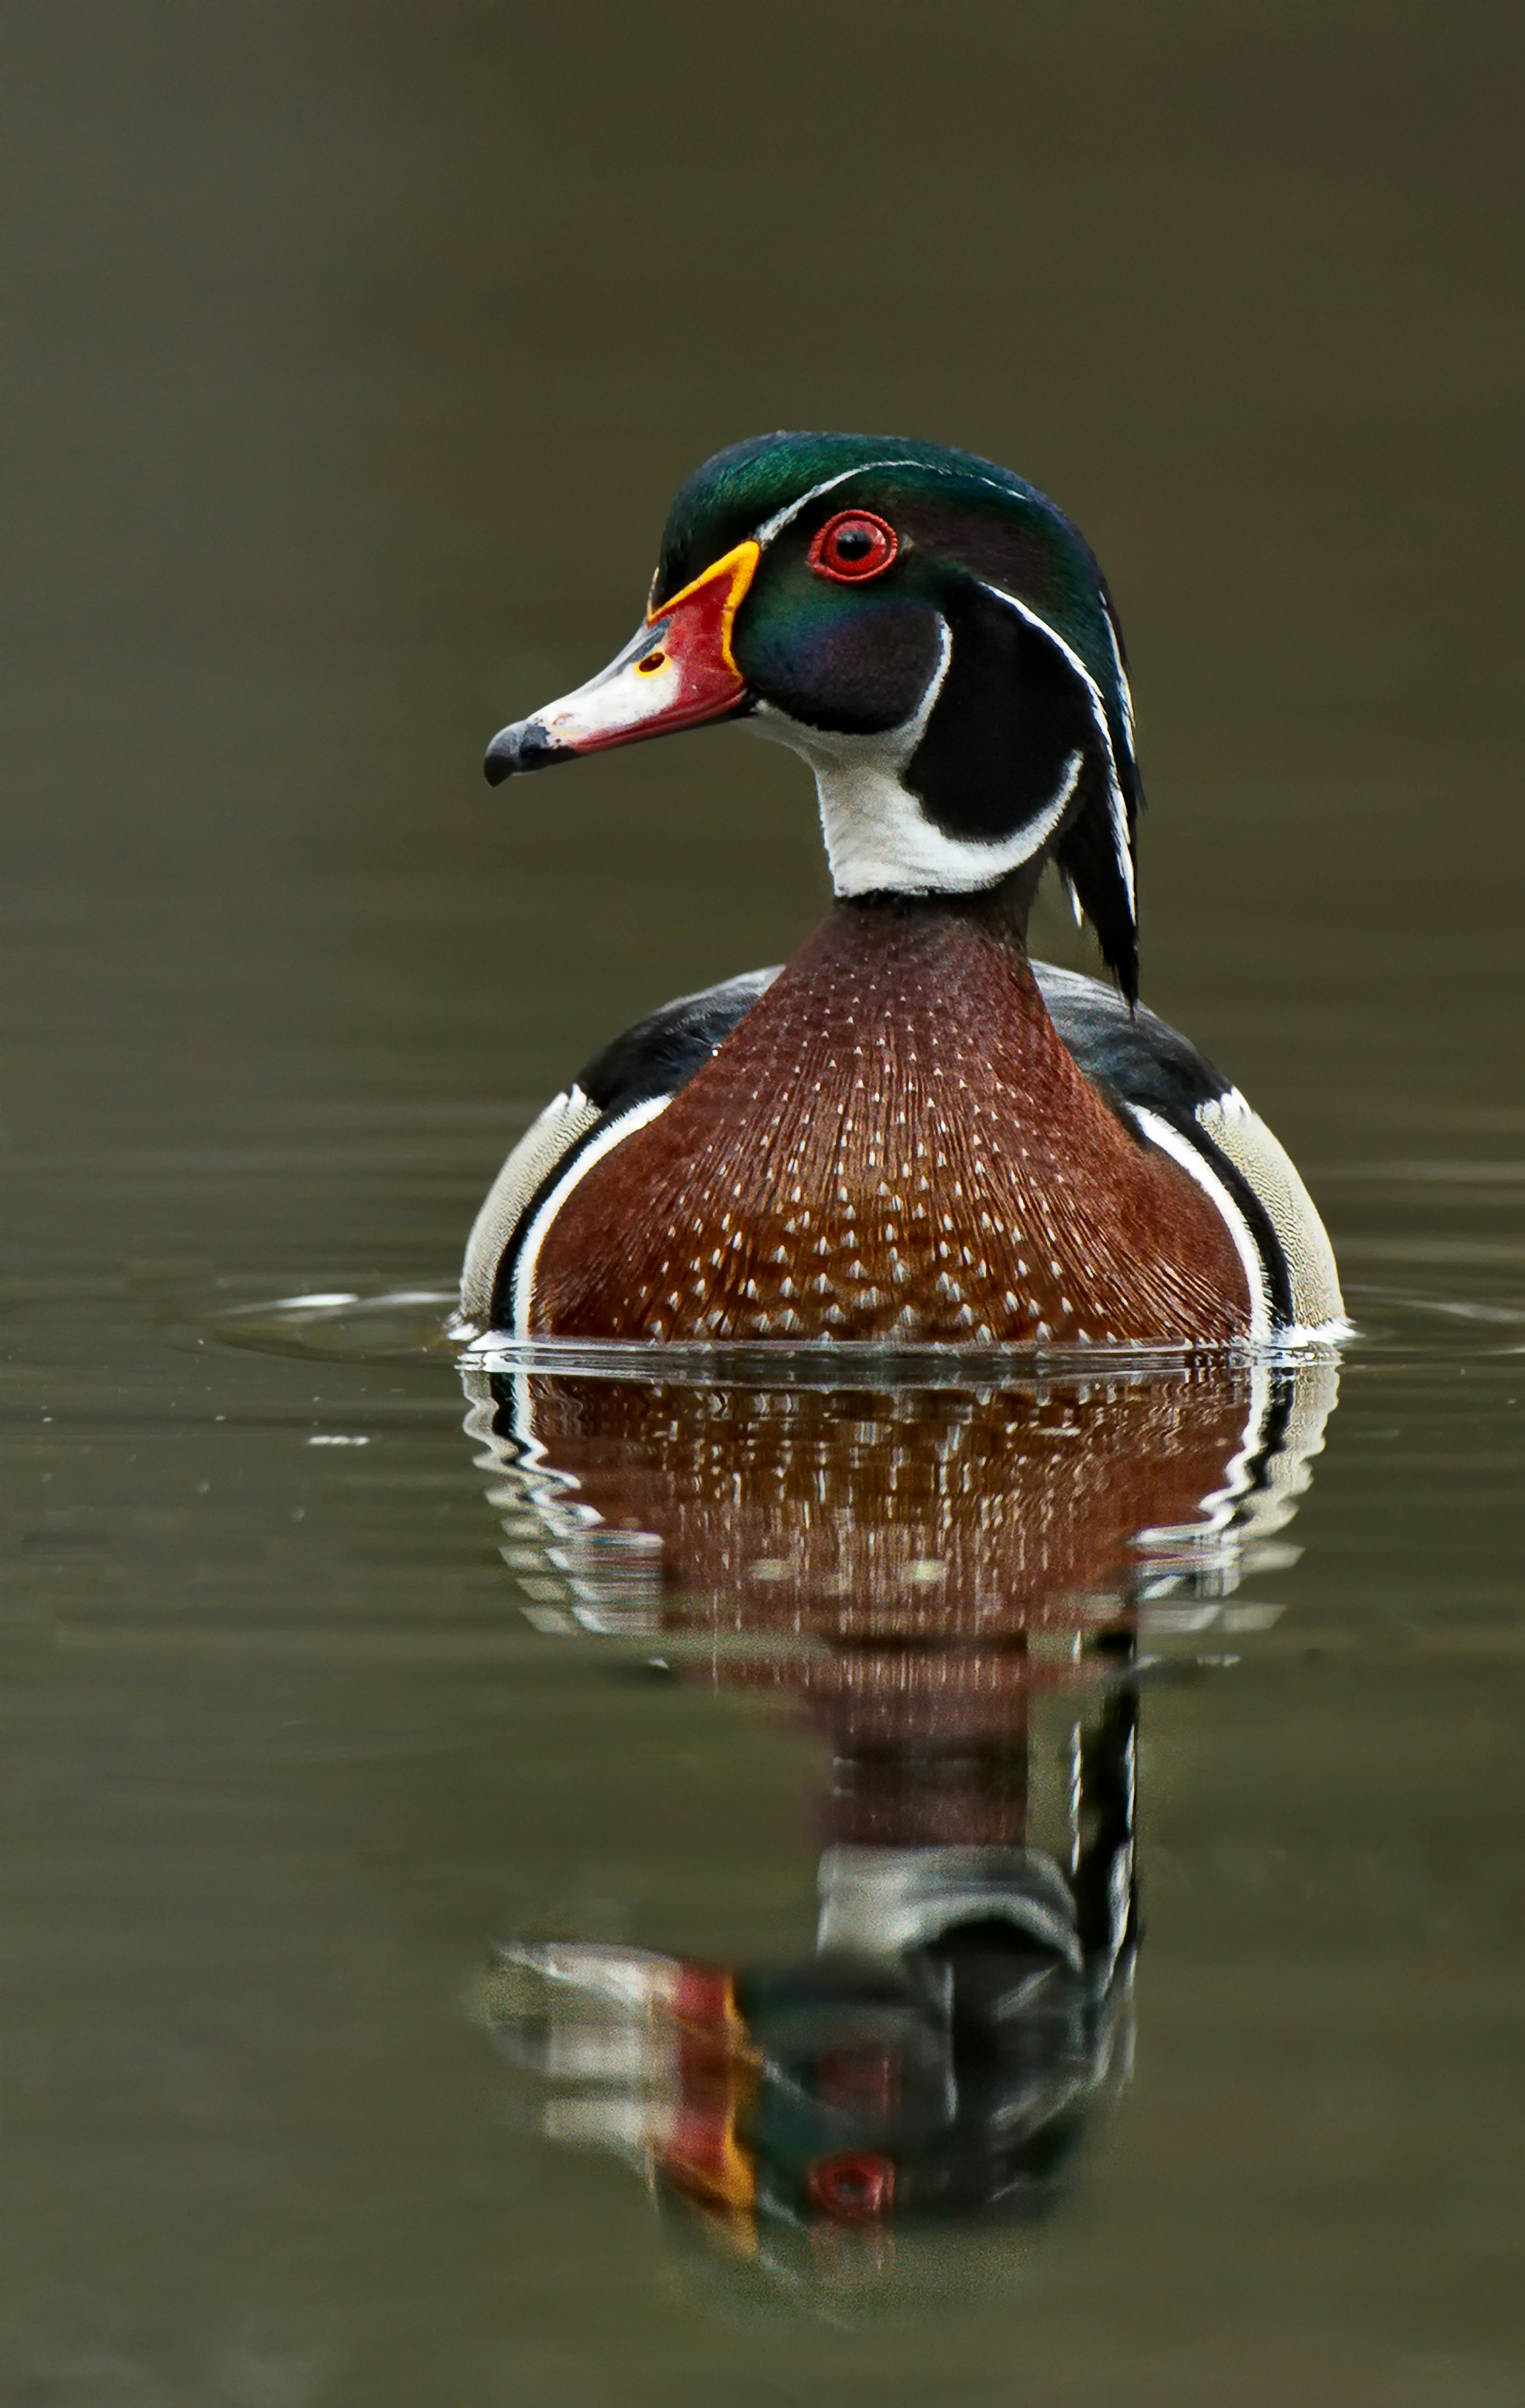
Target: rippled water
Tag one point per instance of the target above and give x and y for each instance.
(806, 1882)
(557, 1880)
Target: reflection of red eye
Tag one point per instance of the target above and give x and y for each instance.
(852, 2189)
(852, 544)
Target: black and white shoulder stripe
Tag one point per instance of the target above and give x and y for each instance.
(1154, 1079)
(1176, 1101)
(621, 1089)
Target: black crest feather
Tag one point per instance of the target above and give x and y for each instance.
(1089, 858)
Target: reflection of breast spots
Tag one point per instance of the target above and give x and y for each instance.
(979, 1517)
(893, 1143)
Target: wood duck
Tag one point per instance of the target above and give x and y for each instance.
(911, 1132)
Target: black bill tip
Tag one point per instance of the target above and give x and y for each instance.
(523, 746)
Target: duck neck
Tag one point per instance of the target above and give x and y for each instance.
(1000, 912)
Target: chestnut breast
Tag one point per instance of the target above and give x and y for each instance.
(894, 1143)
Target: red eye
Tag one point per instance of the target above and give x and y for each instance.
(852, 545)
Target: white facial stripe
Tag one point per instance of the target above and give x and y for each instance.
(964, 473)
(523, 1292)
(1181, 1150)
(1124, 689)
(770, 527)
(1098, 713)
(1122, 845)
(1119, 808)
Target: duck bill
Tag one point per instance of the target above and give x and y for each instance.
(678, 671)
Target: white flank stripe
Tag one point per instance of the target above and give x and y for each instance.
(534, 1235)
(1181, 1150)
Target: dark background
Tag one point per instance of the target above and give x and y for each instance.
(352, 354)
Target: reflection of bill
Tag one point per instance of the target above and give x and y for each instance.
(953, 1580)
(966, 2008)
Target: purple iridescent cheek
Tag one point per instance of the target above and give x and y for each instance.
(857, 668)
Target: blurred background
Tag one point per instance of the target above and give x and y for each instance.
(352, 354)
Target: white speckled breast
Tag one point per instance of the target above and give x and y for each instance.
(892, 1143)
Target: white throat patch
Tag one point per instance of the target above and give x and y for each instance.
(878, 838)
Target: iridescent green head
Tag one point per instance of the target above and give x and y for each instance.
(926, 629)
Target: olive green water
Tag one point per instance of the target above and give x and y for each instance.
(351, 356)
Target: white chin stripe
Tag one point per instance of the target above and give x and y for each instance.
(878, 838)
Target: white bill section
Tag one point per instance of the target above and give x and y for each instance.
(565, 1119)
(523, 1291)
(1181, 1150)
(619, 701)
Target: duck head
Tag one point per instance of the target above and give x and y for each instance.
(926, 629)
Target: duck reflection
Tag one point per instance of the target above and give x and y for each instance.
(960, 1583)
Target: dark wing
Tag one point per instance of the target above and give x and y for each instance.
(648, 1062)
(1134, 1057)
(1171, 1095)
(661, 1053)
